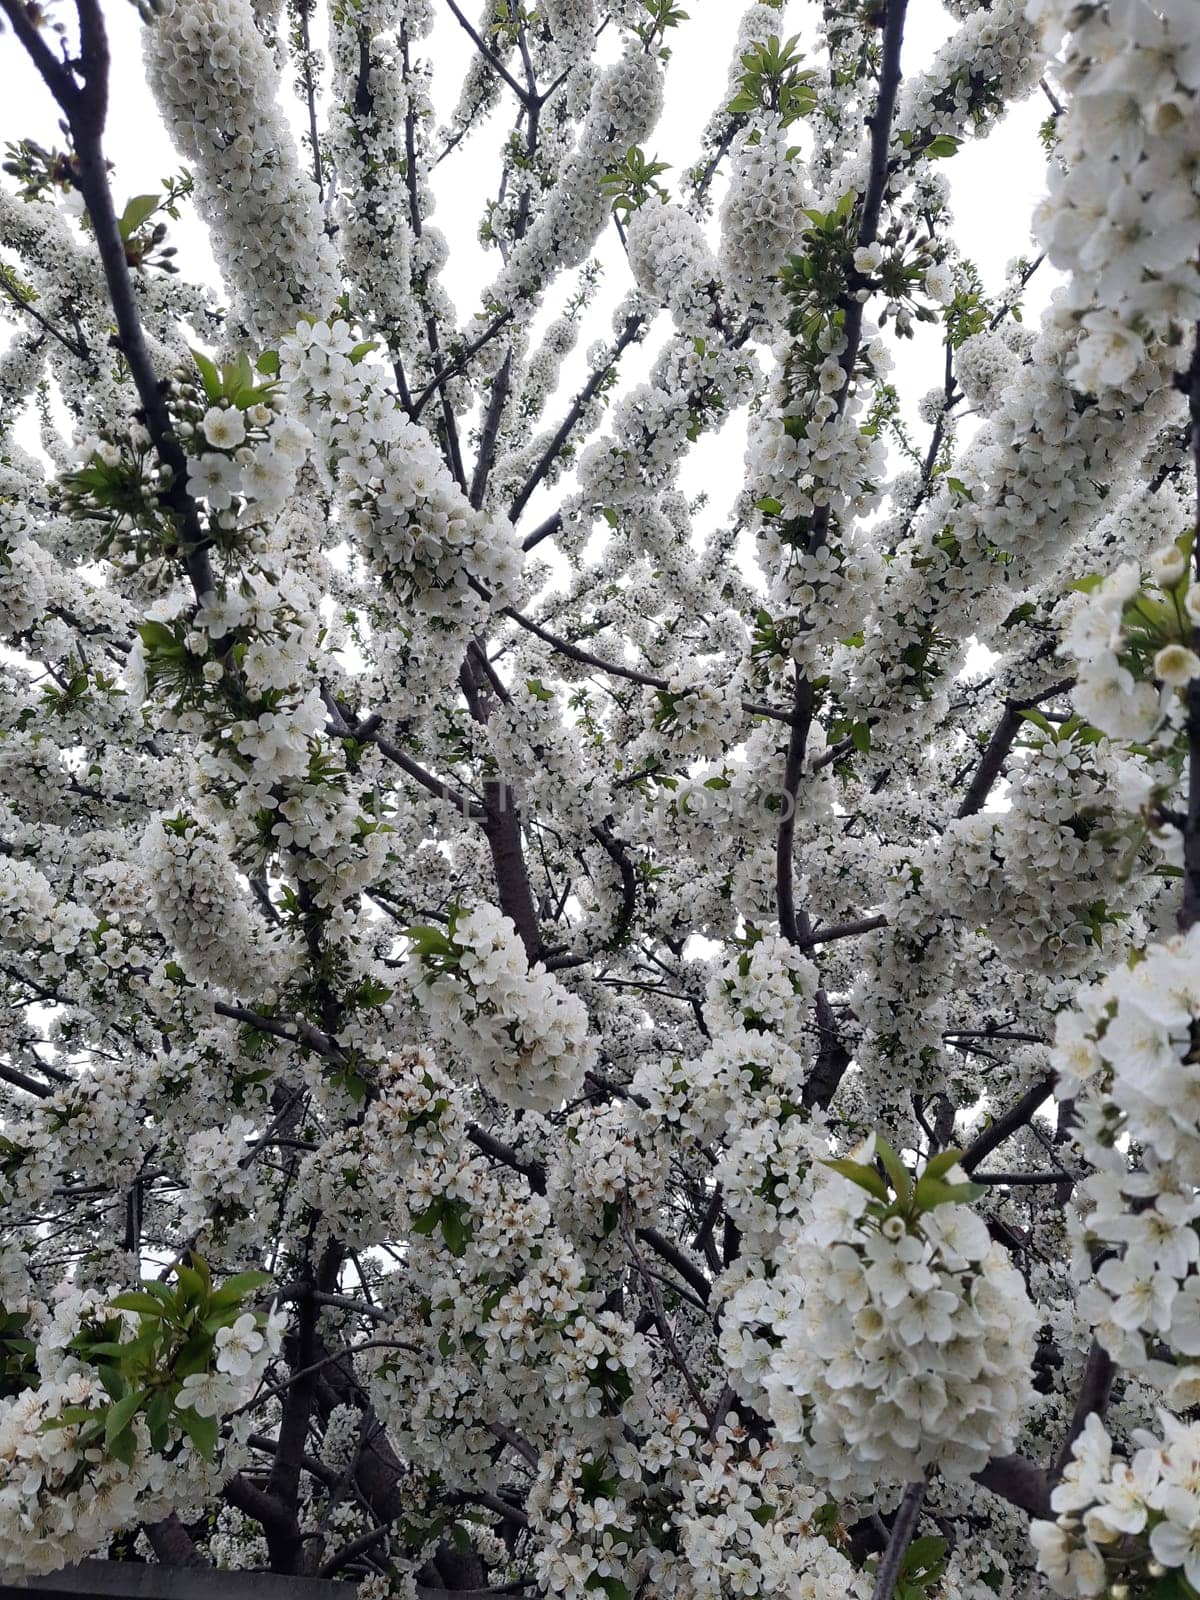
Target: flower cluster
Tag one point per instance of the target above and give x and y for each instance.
(84, 1449)
(698, 717)
(515, 1026)
(202, 909)
(58, 1499)
(1125, 1050)
(900, 1337)
(1126, 642)
(625, 103)
(1121, 212)
(214, 77)
(991, 868)
(671, 262)
(403, 507)
(763, 208)
(1122, 1525)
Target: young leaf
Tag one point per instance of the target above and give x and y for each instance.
(895, 1169)
(202, 1431)
(865, 1177)
(135, 213)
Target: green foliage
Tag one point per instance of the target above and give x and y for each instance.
(452, 1216)
(235, 382)
(773, 80)
(922, 1569)
(662, 15)
(969, 312)
(895, 1193)
(145, 245)
(631, 183)
(168, 660)
(143, 1374)
(18, 1370)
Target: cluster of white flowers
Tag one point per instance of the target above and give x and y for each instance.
(23, 589)
(59, 1501)
(63, 1491)
(895, 1345)
(1125, 643)
(1124, 1051)
(515, 1026)
(730, 1546)
(758, 1015)
(991, 869)
(224, 1182)
(367, 117)
(984, 365)
(405, 1153)
(498, 1326)
(763, 209)
(1122, 1524)
(403, 507)
(625, 104)
(986, 65)
(693, 383)
(31, 914)
(203, 912)
(216, 81)
(607, 1172)
(699, 718)
(900, 997)
(1121, 215)
(671, 262)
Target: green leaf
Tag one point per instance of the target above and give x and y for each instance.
(135, 1300)
(118, 1420)
(194, 1356)
(613, 1587)
(937, 1166)
(429, 1218)
(933, 1192)
(240, 1285)
(202, 1431)
(865, 1177)
(135, 213)
(942, 146)
(427, 940)
(158, 639)
(114, 1384)
(538, 689)
(268, 363)
(158, 1414)
(895, 1169)
(456, 1226)
(191, 1283)
(209, 376)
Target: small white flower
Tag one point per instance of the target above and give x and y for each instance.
(1168, 564)
(224, 427)
(237, 1346)
(1177, 665)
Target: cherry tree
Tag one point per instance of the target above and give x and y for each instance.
(550, 1042)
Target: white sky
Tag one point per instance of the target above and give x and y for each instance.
(996, 182)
